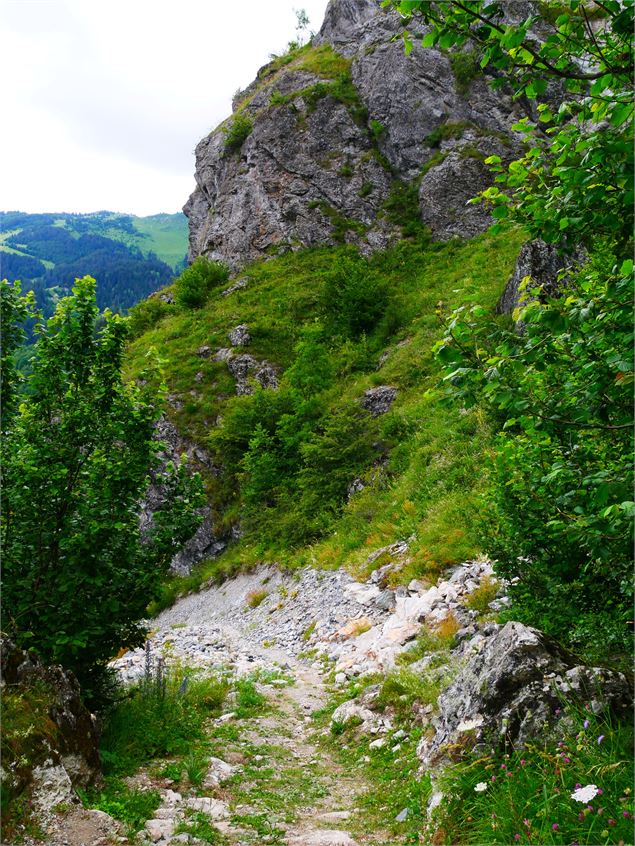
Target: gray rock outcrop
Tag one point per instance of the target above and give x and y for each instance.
(62, 740)
(513, 690)
(542, 262)
(321, 153)
(239, 336)
(205, 543)
(377, 401)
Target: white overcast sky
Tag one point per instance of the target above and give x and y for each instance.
(103, 101)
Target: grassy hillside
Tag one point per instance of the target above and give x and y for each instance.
(289, 456)
(165, 235)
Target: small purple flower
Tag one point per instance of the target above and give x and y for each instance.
(555, 827)
(589, 808)
(612, 822)
(600, 791)
(493, 816)
(625, 814)
(566, 760)
(578, 785)
(517, 837)
(503, 766)
(586, 724)
(522, 762)
(493, 778)
(600, 739)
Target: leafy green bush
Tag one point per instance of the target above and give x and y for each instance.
(237, 132)
(559, 516)
(76, 455)
(193, 286)
(354, 297)
(146, 314)
(402, 209)
(466, 67)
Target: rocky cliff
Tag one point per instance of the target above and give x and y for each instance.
(349, 140)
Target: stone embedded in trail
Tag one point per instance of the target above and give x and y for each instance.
(322, 838)
(218, 772)
(159, 829)
(348, 711)
(214, 808)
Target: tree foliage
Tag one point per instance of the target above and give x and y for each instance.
(560, 508)
(76, 454)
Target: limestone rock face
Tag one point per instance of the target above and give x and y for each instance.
(513, 688)
(205, 543)
(318, 167)
(64, 739)
(543, 262)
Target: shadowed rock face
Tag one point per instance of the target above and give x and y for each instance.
(316, 170)
(542, 262)
(64, 739)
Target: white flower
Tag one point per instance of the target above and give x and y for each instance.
(586, 793)
(480, 787)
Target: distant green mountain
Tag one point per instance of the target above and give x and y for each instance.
(129, 256)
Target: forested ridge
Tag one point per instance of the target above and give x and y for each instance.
(129, 257)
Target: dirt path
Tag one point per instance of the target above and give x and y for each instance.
(310, 800)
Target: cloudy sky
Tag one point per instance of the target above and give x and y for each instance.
(103, 101)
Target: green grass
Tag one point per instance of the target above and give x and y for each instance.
(426, 485)
(148, 724)
(166, 236)
(132, 806)
(199, 825)
(526, 795)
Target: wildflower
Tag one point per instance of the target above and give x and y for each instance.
(503, 766)
(555, 827)
(578, 785)
(480, 787)
(586, 724)
(584, 794)
(522, 762)
(558, 712)
(527, 823)
(600, 791)
(493, 816)
(566, 760)
(600, 739)
(517, 837)
(625, 814)
(612, 822)
(493, 778)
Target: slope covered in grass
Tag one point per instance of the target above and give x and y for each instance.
(335, 325)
